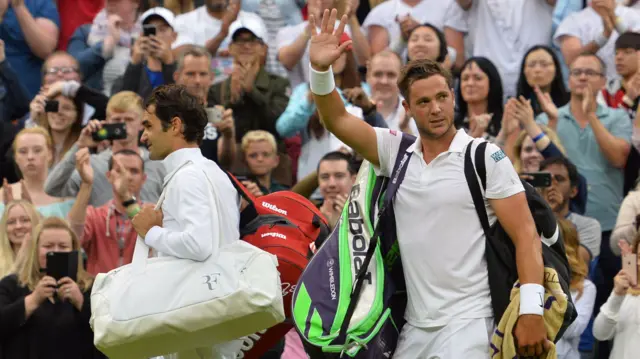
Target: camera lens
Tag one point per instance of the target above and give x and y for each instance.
(102, 133)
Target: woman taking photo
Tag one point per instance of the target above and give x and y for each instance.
(541, 80)
(618, 317)
(33, 153)
(45, 318)
(18, 220)
(63, 123)
(479, 99)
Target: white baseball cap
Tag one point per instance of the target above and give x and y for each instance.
(253, 25)
(161, 12)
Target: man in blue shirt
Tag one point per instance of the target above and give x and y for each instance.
(30, 30)
(597, 140)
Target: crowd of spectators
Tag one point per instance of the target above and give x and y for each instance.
(554, 83)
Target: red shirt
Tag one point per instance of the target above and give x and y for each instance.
(613, 95)
(73, 14)
(108, 239)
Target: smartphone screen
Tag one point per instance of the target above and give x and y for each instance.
(539, 179)
(148, 30)
(630, 265)
(51, 106)
(111, 131)
(62, 264)
(214, 115)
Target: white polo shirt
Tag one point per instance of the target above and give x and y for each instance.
(441, 241)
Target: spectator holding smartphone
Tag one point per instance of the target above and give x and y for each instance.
(43, 317)
(63, 75)
(563, 189)
(618, 316)
(124, 107)
(152, 61)
(62, 117)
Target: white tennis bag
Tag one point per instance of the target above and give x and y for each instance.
(157, 306)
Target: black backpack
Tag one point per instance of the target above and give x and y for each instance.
(500, 251)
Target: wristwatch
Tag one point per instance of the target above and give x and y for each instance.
(130, 201)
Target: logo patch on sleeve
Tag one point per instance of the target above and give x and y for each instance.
(393, 132)
(498, 156)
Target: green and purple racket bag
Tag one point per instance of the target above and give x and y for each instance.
(350, 299)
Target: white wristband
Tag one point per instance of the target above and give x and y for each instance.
(321, 82)
(601, 40)
(531, 299)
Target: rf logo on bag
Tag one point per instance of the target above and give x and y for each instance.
(211, 280)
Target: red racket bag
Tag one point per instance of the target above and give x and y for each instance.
(288, 226)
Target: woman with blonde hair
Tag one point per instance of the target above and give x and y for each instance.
(18, 220)
(583, 292)
(32, 150)
(44, 317)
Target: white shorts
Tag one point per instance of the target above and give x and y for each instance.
(462, 338)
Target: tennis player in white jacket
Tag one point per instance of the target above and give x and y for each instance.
(174, 123)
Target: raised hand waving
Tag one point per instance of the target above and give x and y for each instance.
(325, 47)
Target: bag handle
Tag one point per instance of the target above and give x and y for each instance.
(393, 183)
(141, 251)
(242, 190)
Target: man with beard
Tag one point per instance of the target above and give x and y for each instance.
(209, 26)
(564, 186)
(194, 72)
